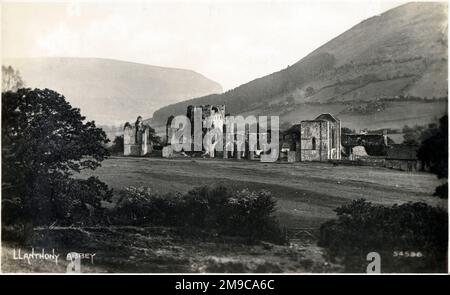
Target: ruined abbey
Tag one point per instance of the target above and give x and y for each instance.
(136, 139)
(311, 140)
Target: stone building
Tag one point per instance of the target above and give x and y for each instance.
(404, 157)
(136, 139)
(373, 144)
(290, 143)
(312, 140)
(320, 139)
(260, 139)
(213, 117)
(169, 130)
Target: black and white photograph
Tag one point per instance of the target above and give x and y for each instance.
(224, 137)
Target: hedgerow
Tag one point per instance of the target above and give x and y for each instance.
(215, 209)
(394, 232)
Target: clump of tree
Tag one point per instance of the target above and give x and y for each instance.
(310, 91)
(44, 142)
(117, 145)
(153, 138)
(434, 153)
(290, 100)
(416, 134)
(366, 108)
(346, 130)
(11, 79)
(411, 237)
(217, 210)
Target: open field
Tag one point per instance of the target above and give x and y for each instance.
(306, 193)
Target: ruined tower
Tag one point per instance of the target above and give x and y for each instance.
(136, 139)
(320, 139)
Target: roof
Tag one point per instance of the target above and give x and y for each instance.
(327, 117)
(322, 118)
(402, 152)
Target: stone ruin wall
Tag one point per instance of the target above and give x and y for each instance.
(314, 131)
(136, 139)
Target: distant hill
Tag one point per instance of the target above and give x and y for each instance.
(112, 91)
(370, 76)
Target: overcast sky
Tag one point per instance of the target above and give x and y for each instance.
(231, 42)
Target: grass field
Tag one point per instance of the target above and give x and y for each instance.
(306, 193)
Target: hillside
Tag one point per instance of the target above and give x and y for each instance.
(111, 91)
(399, 55)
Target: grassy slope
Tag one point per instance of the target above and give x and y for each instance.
(395, 114)
(402, 52)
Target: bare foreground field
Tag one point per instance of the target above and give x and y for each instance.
(306, 195)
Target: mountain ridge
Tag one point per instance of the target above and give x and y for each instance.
(400, 53)
(112, 91)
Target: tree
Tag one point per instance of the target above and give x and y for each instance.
(434, 153)
(44, 142)
(417, 134)
(154, 139)
(310, 91)
(11, 79)
(411, 135)
(290, 99)
(117, 146)
(346, 130)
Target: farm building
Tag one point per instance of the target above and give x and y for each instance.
(373, 145)
(403, 157)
